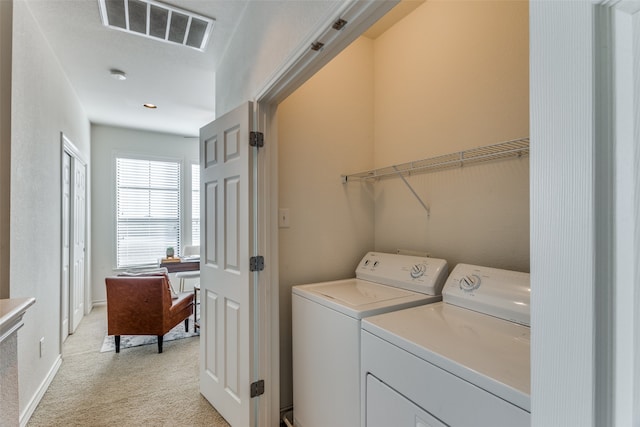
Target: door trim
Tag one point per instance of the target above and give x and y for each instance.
(68, 147)
(623, 21)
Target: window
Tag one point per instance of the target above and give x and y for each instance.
(148, 210)
(195, 204)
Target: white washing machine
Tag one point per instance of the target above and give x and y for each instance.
(326, 331)
(460, 362)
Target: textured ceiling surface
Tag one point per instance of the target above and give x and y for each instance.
(179, 80)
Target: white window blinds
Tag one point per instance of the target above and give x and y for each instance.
(148, 210)
(195, 204)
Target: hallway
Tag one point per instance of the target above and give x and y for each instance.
(137, 387)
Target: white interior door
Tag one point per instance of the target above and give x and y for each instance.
(226, 350)
(66, 245)
(79, 208)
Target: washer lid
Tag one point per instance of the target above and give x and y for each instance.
(359, 292)
(360, 298)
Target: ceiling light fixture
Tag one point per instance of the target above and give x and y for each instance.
(149, 105)
(118, 74)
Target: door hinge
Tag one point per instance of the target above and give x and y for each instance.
(256, 263)
(317, 46)
(257, 388)
(339, 24)
(256, 139)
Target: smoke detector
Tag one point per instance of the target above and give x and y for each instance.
(118, 74)
(158, 21)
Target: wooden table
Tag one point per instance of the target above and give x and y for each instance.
(196, 319)
(177, 266)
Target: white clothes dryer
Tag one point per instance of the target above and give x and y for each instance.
(326, 331)
(460, 362)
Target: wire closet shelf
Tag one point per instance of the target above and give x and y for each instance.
(503, 150)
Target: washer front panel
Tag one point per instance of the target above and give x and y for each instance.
(447, 397)
(489, 352)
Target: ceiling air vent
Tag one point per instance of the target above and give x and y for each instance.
(149, 18)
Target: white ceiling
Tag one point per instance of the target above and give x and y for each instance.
(178, 79)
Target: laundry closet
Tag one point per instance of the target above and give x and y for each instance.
(447, 77)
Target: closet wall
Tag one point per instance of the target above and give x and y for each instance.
(324, 128)
(450, 76)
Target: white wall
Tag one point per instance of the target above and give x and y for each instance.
(452, 76)
(252, 57)
(43, 105)
(106, 142)
(6, 28)
(324, 129)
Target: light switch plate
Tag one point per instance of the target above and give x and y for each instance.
(283, 218)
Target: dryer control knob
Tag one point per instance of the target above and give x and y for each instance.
(470, 282)
(418, 270)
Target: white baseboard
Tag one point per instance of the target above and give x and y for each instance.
(25, 416)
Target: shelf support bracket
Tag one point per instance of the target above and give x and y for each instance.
(426, 208)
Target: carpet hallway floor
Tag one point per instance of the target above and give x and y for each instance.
(137, 387)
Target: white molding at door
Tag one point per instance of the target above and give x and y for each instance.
(304, 62)
(566, 227)
(268, 285)
(625, 65)
(591, 313)
(76, 156)
(70, 148)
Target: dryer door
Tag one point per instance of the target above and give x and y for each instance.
(386, 407)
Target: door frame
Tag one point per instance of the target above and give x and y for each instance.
(624, 32)
(67, 147)
(581, 306)
(65, 237)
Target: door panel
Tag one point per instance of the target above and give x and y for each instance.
(225, 280)
(231, 224)
(210, 224)
(79, 208)
(232, 350)
(66, 246)
(208, 331)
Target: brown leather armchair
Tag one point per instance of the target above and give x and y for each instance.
(142, 305)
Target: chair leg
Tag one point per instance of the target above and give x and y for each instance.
(186, 324)
(117, 341)
(160, 338)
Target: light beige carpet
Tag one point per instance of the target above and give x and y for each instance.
(137, 387)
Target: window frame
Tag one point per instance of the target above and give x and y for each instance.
(189, 202)
(185, 201)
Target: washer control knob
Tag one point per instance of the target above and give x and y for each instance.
(470, 282)
(418, 270)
